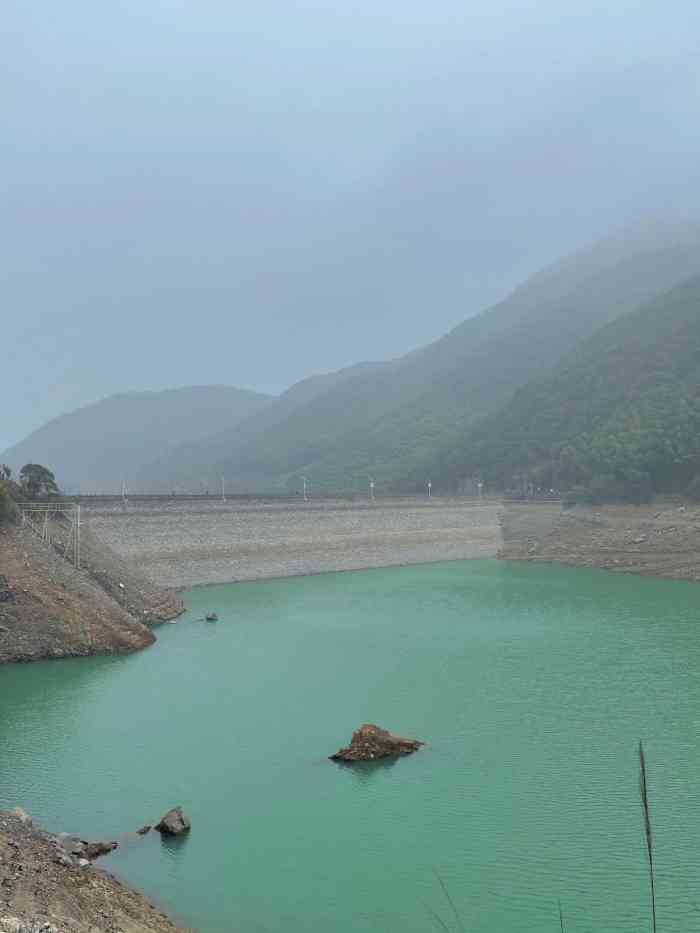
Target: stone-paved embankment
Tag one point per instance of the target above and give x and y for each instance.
(185, 544)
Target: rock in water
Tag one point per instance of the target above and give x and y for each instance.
(94, 850)
(174, 823)
(370, 742)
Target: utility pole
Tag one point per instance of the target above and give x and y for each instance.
(77, 538)
(303, 479)
(371, 489)
(223, 489)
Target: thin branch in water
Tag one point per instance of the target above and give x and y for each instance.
(561, 916)
(437, 918)
(647, 830)
(449, 900)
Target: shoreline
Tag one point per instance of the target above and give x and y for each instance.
(40, 885)
(329, 573)
(660, 540)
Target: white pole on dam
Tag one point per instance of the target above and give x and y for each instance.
(223, 489)
(303, 479)
(430, 487)
(77, 538)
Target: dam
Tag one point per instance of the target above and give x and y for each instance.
(183, 543)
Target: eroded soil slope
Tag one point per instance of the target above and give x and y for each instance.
(48, 609)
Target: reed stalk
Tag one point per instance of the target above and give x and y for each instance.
(647, 830)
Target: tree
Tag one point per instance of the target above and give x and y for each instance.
(7, 506)
(37, 480)
(5, 472)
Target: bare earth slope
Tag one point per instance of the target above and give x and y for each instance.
(36, 889)
(48, 609)
(661, 540)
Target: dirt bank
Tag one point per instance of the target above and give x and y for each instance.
(36, 888)
(661, 540)
(48, 609)
(183, 545)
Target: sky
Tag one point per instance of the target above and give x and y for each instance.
(206, 192)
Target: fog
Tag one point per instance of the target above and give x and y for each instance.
(244, 194)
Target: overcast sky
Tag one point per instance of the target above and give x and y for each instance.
(203, 191)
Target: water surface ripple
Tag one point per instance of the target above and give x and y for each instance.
(532, 685)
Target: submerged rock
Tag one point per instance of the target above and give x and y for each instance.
(370, 742)
(76, 849)
(174, 823)
(144, 829)
(94, 850)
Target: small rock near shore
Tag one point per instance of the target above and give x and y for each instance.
(144, 829)
(93, 850)
(174, 823)
(370, 742)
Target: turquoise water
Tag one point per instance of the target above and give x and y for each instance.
(531, 684)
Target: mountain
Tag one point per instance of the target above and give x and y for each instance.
(96, 448)
(389, 420)
(619, 417)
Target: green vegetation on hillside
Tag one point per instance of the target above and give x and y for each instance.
(619, 418)
(388, 421)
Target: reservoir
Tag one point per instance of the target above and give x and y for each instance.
(531, 685)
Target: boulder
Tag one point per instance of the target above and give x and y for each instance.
(174, 823)
(144, 829)
(370, 742)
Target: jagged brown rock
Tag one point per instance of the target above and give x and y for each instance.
(174, 823)
(370, 742)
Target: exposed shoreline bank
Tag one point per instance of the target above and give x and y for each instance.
(658, 540)
(39, 886)
(51, 609)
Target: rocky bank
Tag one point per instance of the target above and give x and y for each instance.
(44, 889)
(49, 609)
(660, 540)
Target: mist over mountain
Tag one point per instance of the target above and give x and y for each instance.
(246, 196)
(389, 420)
(398, 422)
(96, 448)
(618, 417)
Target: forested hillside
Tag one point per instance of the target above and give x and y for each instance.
(389, 420)
(97, 447)
(619, 418)
(488, 398)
